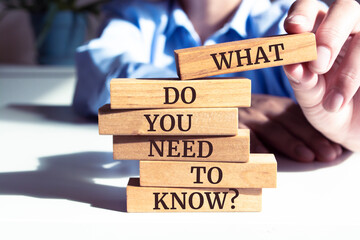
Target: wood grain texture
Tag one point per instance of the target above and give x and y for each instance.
(154, 199)
(163, 93)
(194, 121)
(259, 172)
(267, 52)
(184, 148)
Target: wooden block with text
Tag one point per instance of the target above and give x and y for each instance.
(245, 55)
(184, 148)
(183, 121)
(259, 172)
(155, 199)
(164, 93)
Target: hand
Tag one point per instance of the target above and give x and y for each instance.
(278, 123)
(328, 89)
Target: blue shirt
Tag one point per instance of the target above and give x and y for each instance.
(139, 38)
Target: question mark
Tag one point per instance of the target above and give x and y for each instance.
(234, 197)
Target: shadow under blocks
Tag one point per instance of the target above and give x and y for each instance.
(71, 177)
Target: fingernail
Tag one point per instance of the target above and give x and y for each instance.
(297, 71)
(321, 64)
(304, 153)
(326, 152)
(333, 101)
(339, 150)
(297, 19)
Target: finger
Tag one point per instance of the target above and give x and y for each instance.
(309, 88)
(310, 92)
(341, 20)
(347, 80)
(277, 137)
(274, 106)
(338, 149)
(304, 16)
(294, 121)
(256, 146)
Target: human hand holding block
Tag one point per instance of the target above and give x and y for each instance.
(328, 89)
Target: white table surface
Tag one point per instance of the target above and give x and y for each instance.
(58, 180)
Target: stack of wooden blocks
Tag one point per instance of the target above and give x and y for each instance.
(192, 155)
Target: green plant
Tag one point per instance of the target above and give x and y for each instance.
(43, 6)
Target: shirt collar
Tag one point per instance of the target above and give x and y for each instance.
(245, 13)
(178, 19)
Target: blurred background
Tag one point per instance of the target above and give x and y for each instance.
(47, 32)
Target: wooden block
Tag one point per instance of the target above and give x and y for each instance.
(155, 199)
(245, 55)
(184, 148)
(194, 121)
(258, 172)
(143, 94)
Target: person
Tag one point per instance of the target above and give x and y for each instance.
(139, 37)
